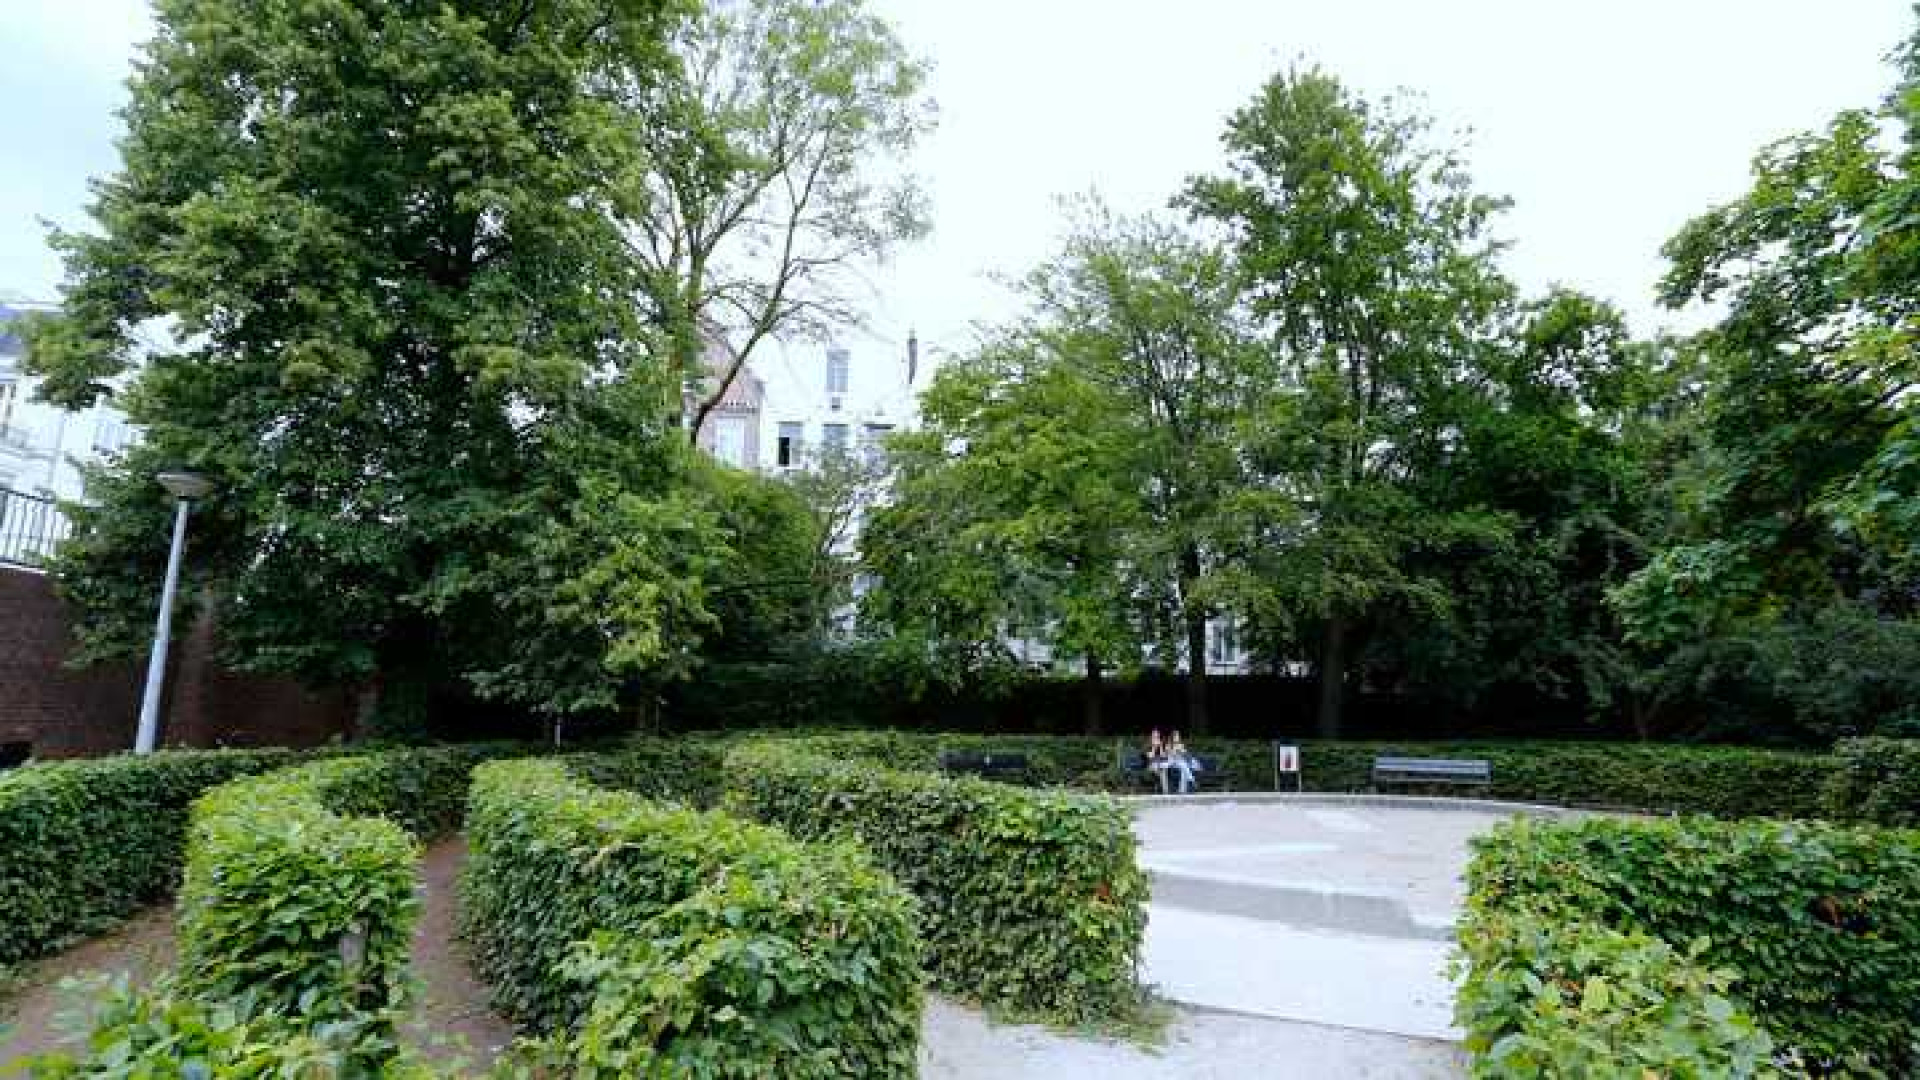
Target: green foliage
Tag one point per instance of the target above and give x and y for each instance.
(1543, 998)
(1030, 902)
(90, 841)
(685, 769)
(1821, 922)
(1727, 781)
(1875, 780)
(1366, 258)
(305, 910)
(159, 1034)
(416, 350)
(648, 940)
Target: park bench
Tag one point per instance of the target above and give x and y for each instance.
(1435, 771)
(984, 763)
(1133, 767)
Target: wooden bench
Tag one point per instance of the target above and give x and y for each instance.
(985, 763)
(1133, 767)
(1435, 771)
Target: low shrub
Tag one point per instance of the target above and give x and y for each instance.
(649, 940)
(1031, 902)
(1875, 780)
(1821, 921)
(159, 1034)
(87, 842)
(304, 910)
(1546, 998)
(1727, 781)
(682, 769)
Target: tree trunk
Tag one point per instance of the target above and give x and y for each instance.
(1091, 690)
(1333, 677)
(1196, 644)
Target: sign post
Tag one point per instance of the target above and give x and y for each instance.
(1286, 762)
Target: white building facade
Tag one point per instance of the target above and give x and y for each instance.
(42, 446)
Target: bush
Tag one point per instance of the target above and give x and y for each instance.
(682, 769)
(658, 941)
(159, 1034)
(1723, 780)
(306, 911)
(87, 842)
(1030, 902)
(1545, 998)
(1821, 921)
(1875, 780)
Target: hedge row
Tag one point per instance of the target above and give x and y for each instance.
(294, 901)
(658, 941)
(87, 842)
(1030, 901)
(1723, 780)
(1820, 921)
(1876, 780)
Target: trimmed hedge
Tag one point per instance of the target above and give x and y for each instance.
(303, 910)
(683, 769)
(1548, 998)
(660, 941)
(1030, 901)
(1876, 780)
(1821, 921)
(1727, 781)
(299, 887)
(87, 842)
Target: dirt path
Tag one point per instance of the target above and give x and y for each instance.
(452, 1023)
(32, 1018)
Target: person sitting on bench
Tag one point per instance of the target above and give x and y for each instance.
(1157, 760)
(1181, 762)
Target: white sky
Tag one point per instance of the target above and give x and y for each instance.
(1609, 122)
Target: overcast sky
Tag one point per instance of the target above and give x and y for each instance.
(1608, 122)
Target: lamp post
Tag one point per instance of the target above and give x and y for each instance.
(184, 487)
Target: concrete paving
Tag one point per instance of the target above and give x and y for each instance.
(1394, 986)
(958, 1043)
(1390, 869)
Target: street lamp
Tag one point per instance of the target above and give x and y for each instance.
(184, 487)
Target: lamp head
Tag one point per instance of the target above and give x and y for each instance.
(185, 485)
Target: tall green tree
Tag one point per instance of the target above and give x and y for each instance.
(392, 242)
(1367, 262)
(1013, 512)
(1796, 520)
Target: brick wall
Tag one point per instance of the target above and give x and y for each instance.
(65, 712)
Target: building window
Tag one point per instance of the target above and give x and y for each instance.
(730, 440)
(836, 371)
(787, 449)
(1224, 643)
(873, 441)
(833, 439)
(9, 393)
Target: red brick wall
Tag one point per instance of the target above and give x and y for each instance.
(65, 712)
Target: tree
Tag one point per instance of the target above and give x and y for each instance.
(1366, 260)
(773, 172)
(393, 243)
(1147, 317)
(1013, 512)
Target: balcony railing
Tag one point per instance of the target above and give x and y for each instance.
(31, 526)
